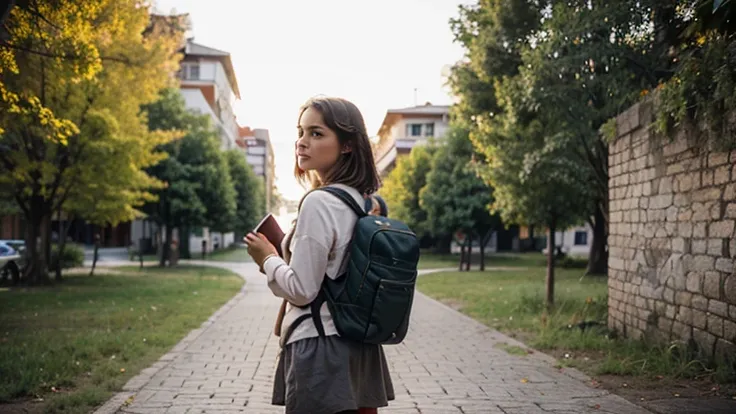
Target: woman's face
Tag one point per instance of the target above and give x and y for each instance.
(318, 147)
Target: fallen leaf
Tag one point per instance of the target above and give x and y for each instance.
(524, 380)
(122, 369)
(597, 406)
(659, 377)
(676, 394)
(625, 385)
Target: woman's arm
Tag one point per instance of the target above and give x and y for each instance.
(300, 280)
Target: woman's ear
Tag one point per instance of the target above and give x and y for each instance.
(347, 148)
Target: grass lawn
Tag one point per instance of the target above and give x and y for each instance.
(512, 301)
(230, 254)
(76, 343)
(428, 260)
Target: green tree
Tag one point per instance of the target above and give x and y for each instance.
(250, 198)
(401, 188)
(455, 197)
(198, 190)
(534, 176)
(595, 66)
(67, 70)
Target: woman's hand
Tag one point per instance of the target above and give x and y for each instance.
(259, 248)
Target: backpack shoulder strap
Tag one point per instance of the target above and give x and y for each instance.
(346, 198)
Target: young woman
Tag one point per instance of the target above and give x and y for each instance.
(323, 374)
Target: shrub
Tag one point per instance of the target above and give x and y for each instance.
(73, 256)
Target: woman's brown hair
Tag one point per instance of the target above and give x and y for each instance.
(356, 168)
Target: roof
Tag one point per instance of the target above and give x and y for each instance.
(393, 115)
(426, 109)
(195, 49)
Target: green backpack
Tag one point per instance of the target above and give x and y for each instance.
(371, 302)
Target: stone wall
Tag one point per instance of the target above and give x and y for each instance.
(671, 242)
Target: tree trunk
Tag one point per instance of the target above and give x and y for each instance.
(39, 217)
(483, 241)
(598, 257)
(551, 265)
(95, 254)
(165, 246)
(470, 251)
(62, 244)
(533, 245)
(462, 255)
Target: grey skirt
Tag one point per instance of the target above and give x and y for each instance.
(326, 375)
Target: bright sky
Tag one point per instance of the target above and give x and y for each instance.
(373, 53)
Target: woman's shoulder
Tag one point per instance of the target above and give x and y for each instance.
(323, 201)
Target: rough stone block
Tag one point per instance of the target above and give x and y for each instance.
(700, 319)
(694, 282)
(729, 194)
(685, 315)
(718, 308)
(698, 246)
(717, 158)
(701, 211)
(725, 348)
(698, 302)
(681, 331)
(715, 325)
(661, 201)
(722, 175)
(729, 291)
(712, 285)
(729, 330)
(699, 230)
(682, 200)
(673, 169)
(721, 229)
(703, 263)
(724, 264)
(684, 298)
(706, 341)
(669, 296)
(715, 248)
(730, 211)
(706, 177)
(706, 194)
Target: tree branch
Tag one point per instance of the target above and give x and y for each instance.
(124, 60)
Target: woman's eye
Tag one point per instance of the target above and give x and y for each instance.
(316, 134)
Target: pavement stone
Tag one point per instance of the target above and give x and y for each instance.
(448, 363)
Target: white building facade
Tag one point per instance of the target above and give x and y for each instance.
(208, 86)
(402, 129)
(259, 154)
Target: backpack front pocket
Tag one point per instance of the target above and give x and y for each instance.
(391, 306)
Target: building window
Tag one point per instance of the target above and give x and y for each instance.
(416, 130)
(194, 71)
(429, 130)
(581, 238)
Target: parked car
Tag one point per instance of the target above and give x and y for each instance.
(11, 259)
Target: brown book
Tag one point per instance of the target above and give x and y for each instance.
(270, 228)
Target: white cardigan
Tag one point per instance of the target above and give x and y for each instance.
(320, 244)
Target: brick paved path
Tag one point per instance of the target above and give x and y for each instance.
(448, 364)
